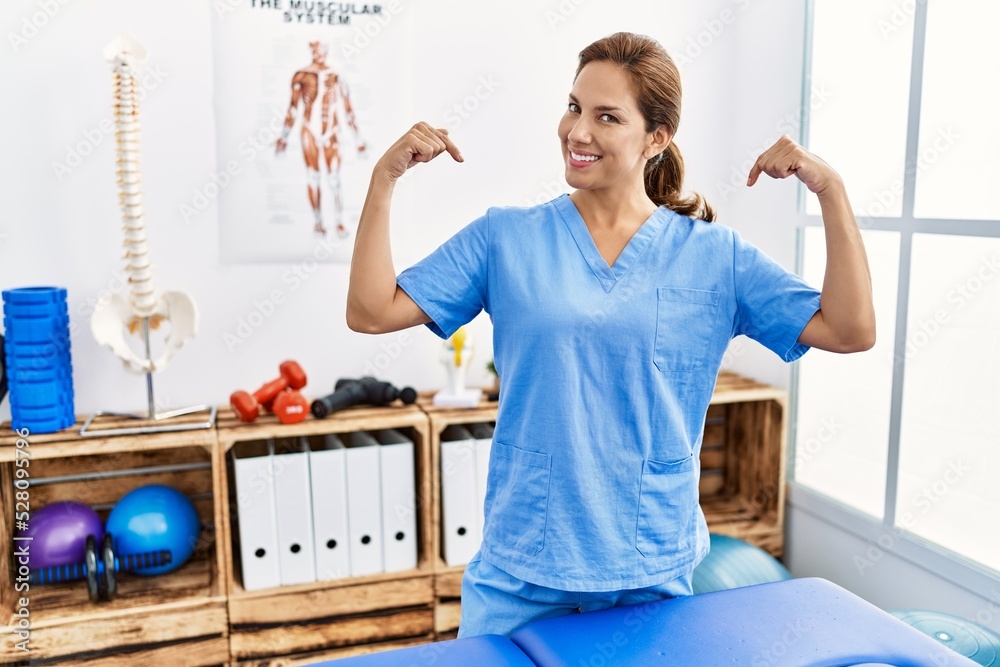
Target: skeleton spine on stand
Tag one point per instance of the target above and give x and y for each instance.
(144, 310)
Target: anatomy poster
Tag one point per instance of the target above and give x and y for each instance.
(308, 95)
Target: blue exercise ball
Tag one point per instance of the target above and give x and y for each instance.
(152, 518)
(966, 638)
(733, 563)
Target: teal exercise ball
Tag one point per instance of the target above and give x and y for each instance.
(733, 563)
(153, 518)
(966, 638)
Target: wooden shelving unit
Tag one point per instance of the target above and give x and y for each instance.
(178, 618)
(201, 614)
(307, 622)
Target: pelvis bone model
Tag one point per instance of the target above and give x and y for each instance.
(113, 313)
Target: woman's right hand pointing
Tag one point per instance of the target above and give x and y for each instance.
(422, 143)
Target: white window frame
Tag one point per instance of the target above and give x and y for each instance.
(884, 535)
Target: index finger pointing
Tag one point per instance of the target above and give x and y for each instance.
(450, 145)
(754, 172)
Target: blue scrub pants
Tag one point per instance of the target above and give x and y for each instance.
(494, 602)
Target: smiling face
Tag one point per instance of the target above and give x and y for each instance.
(603, 133)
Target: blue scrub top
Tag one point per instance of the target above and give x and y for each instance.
(606, 374)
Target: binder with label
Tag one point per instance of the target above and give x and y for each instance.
(328, 478)
(253, 480)
(364, 503)
(399, 500)
(460, 528)
(293, 500)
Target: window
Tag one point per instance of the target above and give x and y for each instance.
(906, 433)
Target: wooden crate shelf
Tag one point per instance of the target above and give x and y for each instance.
(303, 621)
(179, 618)
(313, 618)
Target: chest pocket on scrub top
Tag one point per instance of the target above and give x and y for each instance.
(685, 322)
(521, 500)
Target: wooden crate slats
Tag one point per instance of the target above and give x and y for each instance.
(375, 626)
(312, 657)
(318, 603)
(137, 630)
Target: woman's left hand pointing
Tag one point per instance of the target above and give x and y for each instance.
(786, 157)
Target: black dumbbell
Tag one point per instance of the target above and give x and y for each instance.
(366, 391)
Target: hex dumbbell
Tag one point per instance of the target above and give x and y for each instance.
(248, 406)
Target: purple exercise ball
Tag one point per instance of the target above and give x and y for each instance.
(59, 533)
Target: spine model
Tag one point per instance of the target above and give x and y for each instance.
(114, 315)
(142, 296)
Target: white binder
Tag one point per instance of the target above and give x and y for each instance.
(328, 477)
(483, 433)
(296, 555)
(399, 500)
(258, 526)
(461, 531)
(364, 504)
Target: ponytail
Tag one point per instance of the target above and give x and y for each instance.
(664, 176)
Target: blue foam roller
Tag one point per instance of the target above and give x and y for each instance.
(51, 426)
(28, 361)
(481, 651)
(732, 563)
(975, 642)
(53, 412)
(794, 623)
(35, 309)
(47, 349)
(60, 373)
(39, 394)
(34, 295)
(42, 399)
(36, 329)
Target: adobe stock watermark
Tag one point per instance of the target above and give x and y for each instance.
(32, 24)
(549, 190)
(248, 150)
(150, 77)
(463, 110)
(924, 501)
(791, 634)
(806, 450)
(263, 309)
(920, 335)
(363, 37)
(562, 12)
(790, 124)
(710, 31)
(885, 198)
(900, 16)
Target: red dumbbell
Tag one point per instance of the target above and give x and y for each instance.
(290, 406)
(247, 407)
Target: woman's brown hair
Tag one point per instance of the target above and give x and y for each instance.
(656, 84)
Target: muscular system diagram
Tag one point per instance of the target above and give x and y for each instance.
(319, 97)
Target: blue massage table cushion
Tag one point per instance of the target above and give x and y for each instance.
(481, 651)
(800, 622)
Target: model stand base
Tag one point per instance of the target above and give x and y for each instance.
(469, 398)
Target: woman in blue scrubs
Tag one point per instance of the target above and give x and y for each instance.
(612, 308)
